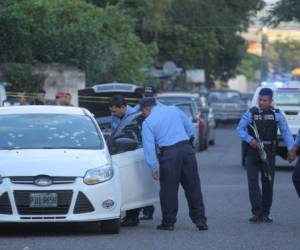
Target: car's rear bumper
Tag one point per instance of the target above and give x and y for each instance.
(233, 115)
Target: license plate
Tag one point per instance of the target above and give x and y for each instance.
(43, 200)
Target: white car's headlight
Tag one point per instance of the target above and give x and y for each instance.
(98, 175)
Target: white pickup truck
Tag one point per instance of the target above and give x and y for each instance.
(287, 100)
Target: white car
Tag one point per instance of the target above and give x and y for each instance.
(56, 167)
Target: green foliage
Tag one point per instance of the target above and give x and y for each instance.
(22, 77)
(113, 39)
(204, 34)
(285, 56)
(100, 41)
(250, 64)
(284, 11)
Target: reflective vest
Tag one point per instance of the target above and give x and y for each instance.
(265, 122)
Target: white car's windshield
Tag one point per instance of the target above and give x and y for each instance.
(48, 131)
(287, 97)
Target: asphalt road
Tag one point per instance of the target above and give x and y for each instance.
(227, 206)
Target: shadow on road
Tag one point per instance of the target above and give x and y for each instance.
(49, 229)
(227, 124)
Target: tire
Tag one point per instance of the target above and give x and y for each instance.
(110, 226)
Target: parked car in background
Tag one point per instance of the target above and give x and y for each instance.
(96, 99)
(227, 104)
(56, 167)
(247, 98)
(191, 110)
(206, 134)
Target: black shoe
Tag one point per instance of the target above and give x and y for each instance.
(130, 222)
(266, 219)
(255, 219)
(147, 217)
(202, 226)
(167, 227)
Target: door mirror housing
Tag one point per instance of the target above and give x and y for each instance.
(123, 144)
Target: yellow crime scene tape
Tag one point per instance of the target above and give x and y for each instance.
(89, 99)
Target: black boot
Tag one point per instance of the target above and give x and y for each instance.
(202, 226)
(255, 219)
(266, 219)
(165, 226)
(147, 213)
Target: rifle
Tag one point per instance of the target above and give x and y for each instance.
(266, 169)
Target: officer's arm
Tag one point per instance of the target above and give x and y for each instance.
(284, 130)
(114, 123)
(297, 140)
(149, 147)
(137, 107)
(187, 123)
(242, 127)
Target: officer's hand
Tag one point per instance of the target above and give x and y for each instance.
(155, 175)
(253, 143)
(292, 154)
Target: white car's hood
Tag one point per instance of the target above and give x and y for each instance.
(52, 162)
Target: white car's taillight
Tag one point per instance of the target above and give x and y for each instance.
(98, 175)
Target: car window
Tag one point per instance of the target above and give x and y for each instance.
(105, 125)
(51, 131)
(173, 100)
(131, 128)
(229, 97)
(287, 97)
(169, 100)
(187, 109)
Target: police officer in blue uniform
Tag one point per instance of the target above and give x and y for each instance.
(267, 120)
(170, 129)
(296, 172)
(119, 110)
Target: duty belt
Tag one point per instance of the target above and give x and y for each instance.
(163, 149)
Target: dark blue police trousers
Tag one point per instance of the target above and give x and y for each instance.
(261, 199)
(296, 177)
(178, 165)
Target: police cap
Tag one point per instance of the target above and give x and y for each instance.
(147, 102)
(149, 91)
(266, 91)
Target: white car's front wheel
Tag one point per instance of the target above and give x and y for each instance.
(110, 226)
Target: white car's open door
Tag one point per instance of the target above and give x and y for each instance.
(138, 187)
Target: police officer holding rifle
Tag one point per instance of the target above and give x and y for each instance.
(258, 128)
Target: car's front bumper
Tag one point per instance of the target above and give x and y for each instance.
(73, 211)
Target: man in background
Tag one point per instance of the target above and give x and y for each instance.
(40, 98)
